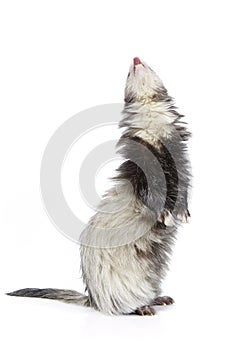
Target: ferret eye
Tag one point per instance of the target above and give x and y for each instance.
(128, 75)
(154, 97)
(129, 99)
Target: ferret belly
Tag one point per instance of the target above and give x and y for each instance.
(116, 284)
(120, 279)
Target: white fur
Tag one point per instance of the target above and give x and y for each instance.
(114, 275)
(151, 121)
(120, 219)
(117, 280)
(142, 82)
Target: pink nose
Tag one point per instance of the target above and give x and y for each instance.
(136, 61)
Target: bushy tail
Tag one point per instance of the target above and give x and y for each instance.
(65, 295)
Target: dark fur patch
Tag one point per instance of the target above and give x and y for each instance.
(159, 176)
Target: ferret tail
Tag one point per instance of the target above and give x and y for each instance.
(65, 295)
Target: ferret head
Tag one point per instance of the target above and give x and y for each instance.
(143, 84)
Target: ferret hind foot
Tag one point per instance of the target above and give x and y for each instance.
(146, 310)
(165, 300)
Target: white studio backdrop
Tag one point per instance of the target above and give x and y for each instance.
(61, 57)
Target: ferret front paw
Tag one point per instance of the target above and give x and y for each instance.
(184, 216)
(166, 218)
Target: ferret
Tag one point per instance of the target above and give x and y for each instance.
(128, 242)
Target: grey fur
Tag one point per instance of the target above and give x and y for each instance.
(65, 295)
(126, 245)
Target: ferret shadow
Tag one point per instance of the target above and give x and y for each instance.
(97, 324)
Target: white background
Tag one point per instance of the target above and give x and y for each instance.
(60, 57)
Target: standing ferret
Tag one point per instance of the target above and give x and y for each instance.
(126, 245)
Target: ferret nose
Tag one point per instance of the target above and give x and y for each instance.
(136, 61)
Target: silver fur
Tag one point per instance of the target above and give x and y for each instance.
(122, 279)
(127, 243)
